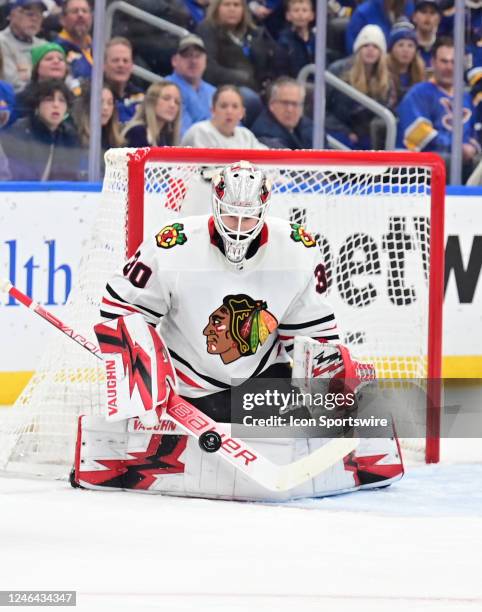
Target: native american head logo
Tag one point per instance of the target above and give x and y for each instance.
(238, 327)
(171, 235)
(299, 234)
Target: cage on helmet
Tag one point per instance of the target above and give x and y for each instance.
(241, 193)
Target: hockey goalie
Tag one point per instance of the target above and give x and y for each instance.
(205, 305)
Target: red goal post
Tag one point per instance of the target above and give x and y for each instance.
(404, 165)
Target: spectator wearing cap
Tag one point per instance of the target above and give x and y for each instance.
(404, 62)
(118, 65)
(43, 146)
(282, 125)
(426, 116)
(426, 18)
(48, 62)
(19, 38)
(382, 13)
(367, 71)
(189, 64)
(75, 37)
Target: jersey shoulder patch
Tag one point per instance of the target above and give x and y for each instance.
(171, 235)
(299, 234)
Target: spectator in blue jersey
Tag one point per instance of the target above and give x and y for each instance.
(426, 112)
(197, 9)
(474, 77)
(75, 39)
(366, 71)
(282, 125)
(382, 13)
(189, 63)
(298, 38)
(404, 62)
(426, 18)
(118, 67)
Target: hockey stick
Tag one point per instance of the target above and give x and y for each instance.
(235, 451)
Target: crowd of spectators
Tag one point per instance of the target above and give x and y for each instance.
(232, 81)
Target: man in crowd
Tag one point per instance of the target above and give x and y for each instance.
(18, 39)
(189, 64)
(118, 67)
(283, 125)
(426, 111)
(75, 37)
(426, 17)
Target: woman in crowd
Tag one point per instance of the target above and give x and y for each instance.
(157, 119)
(223, 130)
(111, 129)
(48, 62)
(240, 53)
(44, 146)
(366, 70)
(404, 62)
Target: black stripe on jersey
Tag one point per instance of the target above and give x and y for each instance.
(211, 381)
(263, 361)
(326, 319)
(289, 347)
(109, 315)
(116, 296)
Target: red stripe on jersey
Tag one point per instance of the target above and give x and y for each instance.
(188, 380)
(119, 305)
(285, 337)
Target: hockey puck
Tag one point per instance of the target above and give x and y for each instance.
(210, 441)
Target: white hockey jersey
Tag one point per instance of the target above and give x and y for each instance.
(222, 324)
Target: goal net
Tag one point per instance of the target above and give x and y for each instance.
(377, 218)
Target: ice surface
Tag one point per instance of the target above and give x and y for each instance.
(413, 546)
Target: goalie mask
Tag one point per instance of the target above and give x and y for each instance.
(241, 194)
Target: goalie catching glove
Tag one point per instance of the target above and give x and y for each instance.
(139, 371)
(322, 367)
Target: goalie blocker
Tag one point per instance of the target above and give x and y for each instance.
(138, 447)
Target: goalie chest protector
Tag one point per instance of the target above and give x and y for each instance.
(219, 322)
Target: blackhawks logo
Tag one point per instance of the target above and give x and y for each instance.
(171, 235)
(299, 234)
(238, 327)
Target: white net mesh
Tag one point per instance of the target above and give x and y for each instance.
(371, 224)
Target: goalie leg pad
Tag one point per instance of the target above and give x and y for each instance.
(117, 456)
(125, 455)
